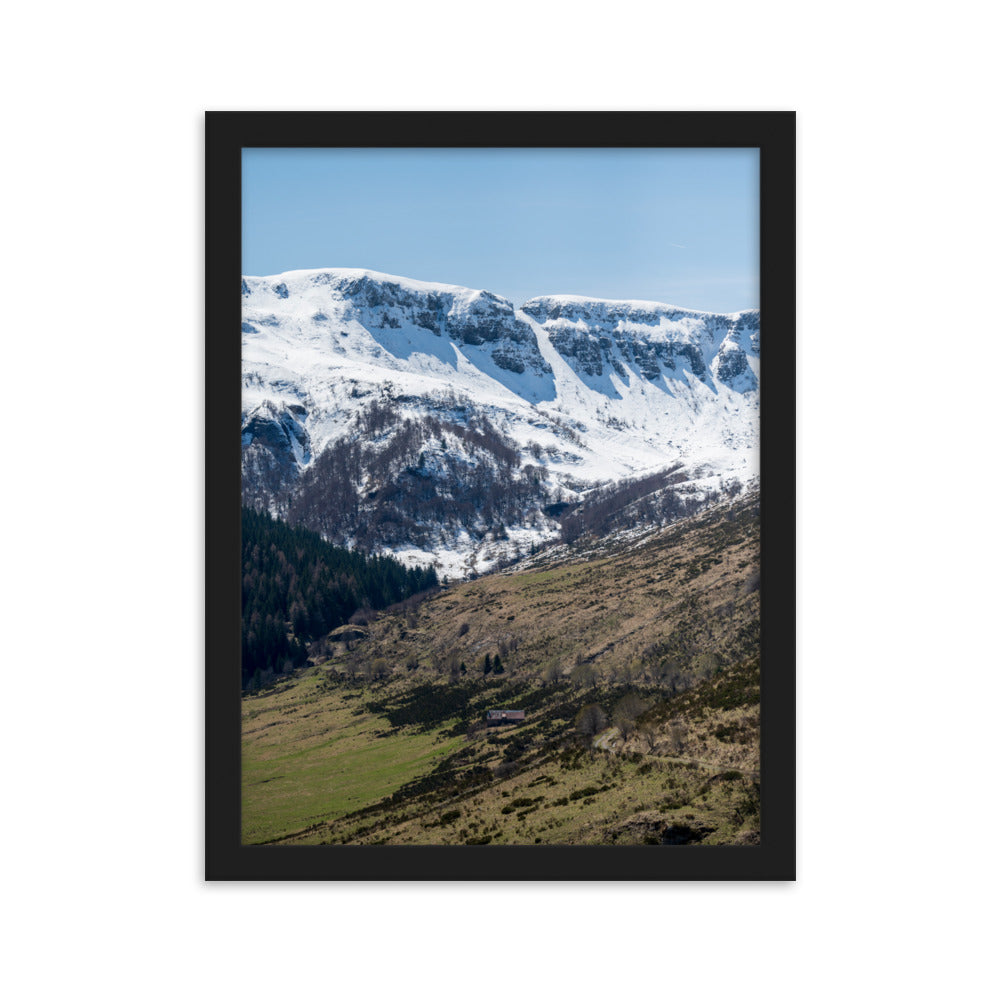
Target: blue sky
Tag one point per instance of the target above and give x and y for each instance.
(671, 225)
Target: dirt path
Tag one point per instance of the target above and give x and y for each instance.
(603, 740)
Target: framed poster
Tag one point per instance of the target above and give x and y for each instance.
(500, 496)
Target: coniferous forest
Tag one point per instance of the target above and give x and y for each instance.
(297, 587)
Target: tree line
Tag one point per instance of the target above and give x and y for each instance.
(297, 587)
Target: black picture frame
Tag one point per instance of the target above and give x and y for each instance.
(227, 133)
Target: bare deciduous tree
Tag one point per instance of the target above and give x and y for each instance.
(647, 737)
(590, 720)
(677, 733)
(626, 712)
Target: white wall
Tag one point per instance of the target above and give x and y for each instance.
(897, 366)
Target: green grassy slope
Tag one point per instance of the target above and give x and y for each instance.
(383, 742)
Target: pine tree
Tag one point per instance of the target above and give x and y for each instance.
(291, 575)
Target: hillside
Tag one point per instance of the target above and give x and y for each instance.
(297, 586)
(636, 666)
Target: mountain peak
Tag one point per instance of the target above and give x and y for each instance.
(547, 303)
(352, 279)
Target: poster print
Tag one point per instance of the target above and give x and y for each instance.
(500, 487)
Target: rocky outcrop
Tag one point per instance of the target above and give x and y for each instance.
(649, 340)
(468, 317)
(276, 447)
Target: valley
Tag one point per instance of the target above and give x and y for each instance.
(454, 507)
(635, 661)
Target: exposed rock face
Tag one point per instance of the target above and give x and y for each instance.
(652, 340)
(276, 448)
(468, 317)
(278, 428)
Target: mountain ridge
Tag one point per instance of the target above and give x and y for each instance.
(583, 391)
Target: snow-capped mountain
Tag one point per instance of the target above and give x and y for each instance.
(442, 423)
